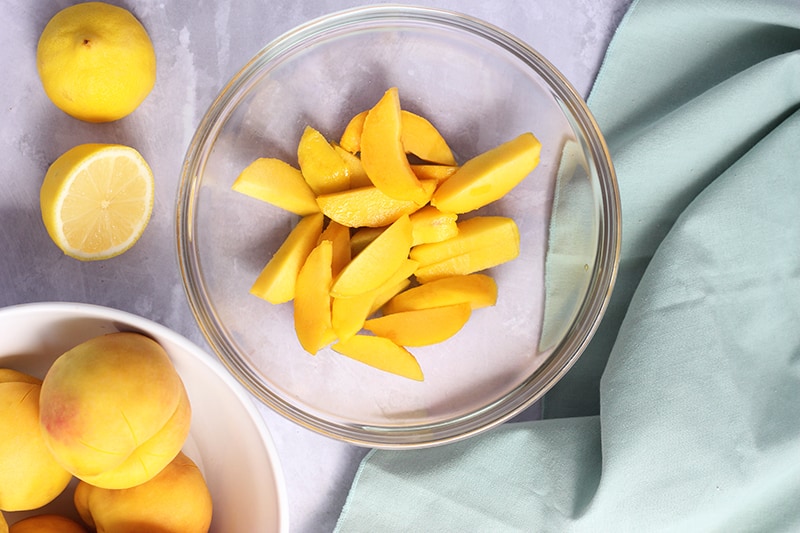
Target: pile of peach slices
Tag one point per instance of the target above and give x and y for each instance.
(380, 259)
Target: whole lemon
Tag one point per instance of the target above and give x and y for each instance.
(96, 61)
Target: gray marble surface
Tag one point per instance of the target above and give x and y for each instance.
(199, 46)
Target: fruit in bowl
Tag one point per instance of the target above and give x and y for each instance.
(175, 499)
(30, 476)
(114, 411)
(479, 88)
(131, 413)
(372, 185)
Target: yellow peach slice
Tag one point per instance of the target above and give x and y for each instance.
(382, 153)
(368, 206)
(478, 290)
(362, 237)
(321, 166)
(276, 282)
(377, 262)
(406, 270)
(421, 327)
(339, 236)
(312, 301)
(489, 176)
(381, 353)
(422, 139)
(417, 136)
(348, 314)
(431, 225)
(387, 293)
(351, 136)
(469, 262)
(278, 183)
(358, 176)
(434, 172)
(473, 234)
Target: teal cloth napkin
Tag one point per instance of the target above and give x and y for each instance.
(684, 412)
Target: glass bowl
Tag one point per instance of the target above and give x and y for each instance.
(480, 87)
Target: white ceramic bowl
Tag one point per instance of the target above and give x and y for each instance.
(228, 438)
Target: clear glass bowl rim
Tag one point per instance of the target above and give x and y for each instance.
(565, 354)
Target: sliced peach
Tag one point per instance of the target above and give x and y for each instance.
(358, 176)
(312, 302)
(478, 290)
(377, 262)
(348, 314)
(489, 176)
(423, 140)
(321, 166)
(368, 206)
(351, 136)
(434, 172)
(382, 152)
(406, 270)
(473, 234)
(421, 327)
(387, 293)
(278, 183)
(431, 225)
(469, 262)
(362, 237)
(417, 135)
(381, 353)
(276, 282)
(340, 240)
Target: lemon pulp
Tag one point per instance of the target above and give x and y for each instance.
(96, 200)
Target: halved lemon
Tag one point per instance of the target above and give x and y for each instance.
(96, 200)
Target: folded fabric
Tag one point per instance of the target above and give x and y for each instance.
(685, 91)
(690, 391)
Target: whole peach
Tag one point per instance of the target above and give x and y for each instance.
(114, 411)
(47, 523)
(8, 375)
(29, 475)
(177, 500)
